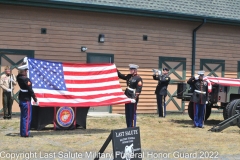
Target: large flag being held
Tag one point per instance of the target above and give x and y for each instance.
(75, 85)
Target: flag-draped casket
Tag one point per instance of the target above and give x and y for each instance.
(221, 81)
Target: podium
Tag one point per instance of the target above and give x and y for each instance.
(62, 118)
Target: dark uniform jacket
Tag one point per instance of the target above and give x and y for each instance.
(25, 84)
(199, 86)
(163, 81)
(133, 82)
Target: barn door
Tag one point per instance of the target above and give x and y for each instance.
(238, 70)
(212, 67)
(177, 73)
(13, 58)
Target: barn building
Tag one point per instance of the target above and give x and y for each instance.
(184, 36)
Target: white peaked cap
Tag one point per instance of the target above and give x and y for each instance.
(25, 59)
(133, 66)
(201, 72)
(25, 66)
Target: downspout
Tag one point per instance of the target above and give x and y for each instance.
(194, 45)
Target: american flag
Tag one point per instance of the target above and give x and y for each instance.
(221, 81)
(75, 85)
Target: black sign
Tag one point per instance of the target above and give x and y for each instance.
(126, 144)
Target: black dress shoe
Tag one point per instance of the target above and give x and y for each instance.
(4, 117)
(30, 136)
(9, 117)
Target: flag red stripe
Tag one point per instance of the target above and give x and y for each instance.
(94, 89)
(89, 65)
(86, 104)
(222, 78)
(89, 97)
(67, 73)
(224, 81)
(90, 81)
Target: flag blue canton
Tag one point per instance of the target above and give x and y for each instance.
(46, 75)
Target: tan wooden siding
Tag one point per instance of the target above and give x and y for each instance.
(220, 42)
(68, 30)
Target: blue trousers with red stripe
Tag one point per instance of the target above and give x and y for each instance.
(199, 113)
(26, 117)
(131, 115)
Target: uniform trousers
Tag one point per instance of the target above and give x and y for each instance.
(199, 113)
(161, 105)
(7, 104)
(130, 114)
(26, 117)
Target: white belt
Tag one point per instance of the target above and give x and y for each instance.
(200, 92)
(24, 90)
(132, 89)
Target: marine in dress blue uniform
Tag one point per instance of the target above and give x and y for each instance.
(133, 90)
(25, 95)
(199, 98)
(161, 90)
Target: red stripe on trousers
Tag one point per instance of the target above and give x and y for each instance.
(54, 118)
(28, 115)
(75, 110)
(133, 114)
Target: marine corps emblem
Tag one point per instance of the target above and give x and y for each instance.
(65, 116)
(205, 83)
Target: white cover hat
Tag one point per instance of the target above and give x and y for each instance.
(201, 72)
(25, 66)
(134, 66)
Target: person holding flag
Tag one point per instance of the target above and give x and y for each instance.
(25, 95)
(7, 83)
(133, 90)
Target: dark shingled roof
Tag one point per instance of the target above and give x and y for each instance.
(225, 9)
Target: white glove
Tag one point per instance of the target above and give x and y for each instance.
(206, 102)
(154, 71)
(133, 101)
(196, 77)
(36, 103)
(11, 80)
(9, 90)
(159, 72)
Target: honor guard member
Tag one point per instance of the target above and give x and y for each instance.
(161, 90)
(133, 90)
(25, 95)
(199, 98)
(7, 83)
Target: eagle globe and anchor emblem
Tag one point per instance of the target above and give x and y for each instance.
(65, 116)
(128, 152)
